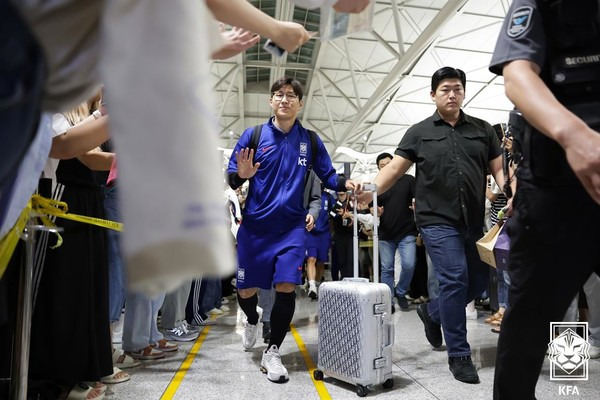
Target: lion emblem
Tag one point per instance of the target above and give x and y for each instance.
(569, 351)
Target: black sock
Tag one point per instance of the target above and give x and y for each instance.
(281, 316)
(248, 306)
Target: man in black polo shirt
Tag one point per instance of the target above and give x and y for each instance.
(453, 152)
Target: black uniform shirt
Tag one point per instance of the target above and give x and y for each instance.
(567, 49)
(521, 36)
(397, 220)
(452, 164)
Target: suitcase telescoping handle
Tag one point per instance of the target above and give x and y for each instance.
(370, 187)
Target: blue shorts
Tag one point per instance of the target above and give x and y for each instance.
(317, 245)
(265, 259)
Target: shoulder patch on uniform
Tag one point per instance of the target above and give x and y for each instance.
(520, 20)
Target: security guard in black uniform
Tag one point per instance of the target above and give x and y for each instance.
(549, 54)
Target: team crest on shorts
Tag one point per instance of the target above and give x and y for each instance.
(241, 274)
(520, 20)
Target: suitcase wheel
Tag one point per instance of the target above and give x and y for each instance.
(318, 375)
(389, 383)
(361, 390)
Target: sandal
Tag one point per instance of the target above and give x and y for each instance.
(122, 360)
(96, 385)
(113, 379)
(82, 392)
(147, 353)
(164, 345)
(496, 316)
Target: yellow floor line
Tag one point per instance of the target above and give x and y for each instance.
(319, 385)
(185, 365)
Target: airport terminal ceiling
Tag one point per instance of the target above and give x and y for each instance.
(363, 91)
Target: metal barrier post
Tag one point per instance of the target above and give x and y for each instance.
(20, 364)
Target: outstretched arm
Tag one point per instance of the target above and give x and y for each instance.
(80, 138)
(97, 160)
(350, 6)
(235, 41)
(386, 177)
(288, 35)
(395, 170)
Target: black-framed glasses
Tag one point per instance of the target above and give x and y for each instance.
(289, 96)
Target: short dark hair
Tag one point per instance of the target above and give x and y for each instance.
(447, 73)
(382, 156)
(286, 80)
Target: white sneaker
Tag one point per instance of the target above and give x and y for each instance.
(594, 351)
(249, 335)
(312, 293)
(272, 366)
(215, 311)
(471, 314)
(224, 308)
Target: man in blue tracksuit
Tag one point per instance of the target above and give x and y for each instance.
(272, 238)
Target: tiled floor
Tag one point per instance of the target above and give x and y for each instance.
(222, 370)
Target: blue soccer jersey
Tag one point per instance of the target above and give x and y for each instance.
(275, 195)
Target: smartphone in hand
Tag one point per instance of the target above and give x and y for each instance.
(271, 47)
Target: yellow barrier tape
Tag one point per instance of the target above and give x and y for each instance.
(47, 222)
(59, 209)
(41, 207)
(9, 241)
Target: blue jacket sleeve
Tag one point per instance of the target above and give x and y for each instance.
(324, 169)
(232, 177)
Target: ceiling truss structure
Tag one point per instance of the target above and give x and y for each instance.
(365, 90)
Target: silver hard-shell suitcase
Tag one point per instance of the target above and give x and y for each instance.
(356, 333)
